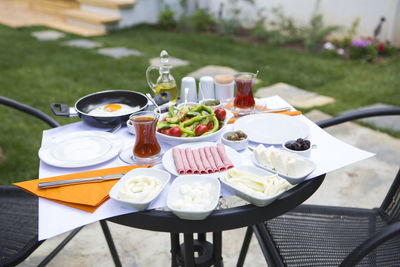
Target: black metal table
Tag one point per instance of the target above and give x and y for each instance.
(220, 220)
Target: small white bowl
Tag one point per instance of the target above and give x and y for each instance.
(163, 176)
(304, 153)
(213, 106)
(174, 195)
(257, 201)
(237, 145)
(189, 104)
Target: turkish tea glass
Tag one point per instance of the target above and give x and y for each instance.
(244, 100)
(146, 150)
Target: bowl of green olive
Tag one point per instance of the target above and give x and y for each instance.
(238, 140)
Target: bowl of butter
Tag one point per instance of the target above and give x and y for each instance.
(139, 187)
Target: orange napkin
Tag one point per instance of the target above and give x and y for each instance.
(87, 197)
(233, 119)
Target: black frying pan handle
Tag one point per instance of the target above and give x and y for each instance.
(60, 109)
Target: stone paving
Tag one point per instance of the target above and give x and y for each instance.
(118, 52)
(383, 122)
(48, 35)
(175, 62)
(82, 43)
(295, 96)
(212, 70)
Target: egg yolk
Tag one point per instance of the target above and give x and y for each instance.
(112, 107)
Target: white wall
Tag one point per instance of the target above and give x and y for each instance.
(337, 12)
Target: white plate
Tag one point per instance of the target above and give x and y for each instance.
(272, 128)
(290, 179)
(169, 164)
(260, 202)
(163, 176)
(80, 149)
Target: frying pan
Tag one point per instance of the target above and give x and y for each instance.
(87, 103)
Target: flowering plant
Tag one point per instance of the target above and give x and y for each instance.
(386, 49)
(364, 50)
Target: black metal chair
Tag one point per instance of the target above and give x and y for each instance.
(19, 213)
(313, 235)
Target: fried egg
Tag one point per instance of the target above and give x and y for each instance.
(114, 109)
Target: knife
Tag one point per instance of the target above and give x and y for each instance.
(276, 110)
(80, 181)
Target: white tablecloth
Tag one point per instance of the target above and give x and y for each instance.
(54, 219)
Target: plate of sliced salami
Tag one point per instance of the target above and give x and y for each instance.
(200, 158)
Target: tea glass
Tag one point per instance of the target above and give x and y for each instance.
(147, 150)
(244, 100)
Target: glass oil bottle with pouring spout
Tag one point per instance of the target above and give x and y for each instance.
(165, 89)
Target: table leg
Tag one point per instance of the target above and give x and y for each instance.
(189, 249)
(245, 247)
(110, 243)
(217, 247)
(201, 236)
(174, 249)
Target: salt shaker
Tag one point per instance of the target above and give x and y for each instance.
(224, 87)
(206, 88)
(190, 83)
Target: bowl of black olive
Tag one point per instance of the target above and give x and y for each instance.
(238, 140)
(300, 146)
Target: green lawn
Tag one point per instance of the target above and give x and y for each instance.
(41, 72)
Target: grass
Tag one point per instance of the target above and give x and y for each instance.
(42, 72)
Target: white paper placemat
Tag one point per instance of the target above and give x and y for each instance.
(55, 219)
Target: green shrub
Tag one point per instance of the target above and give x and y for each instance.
(316, 32)
(229, 26)
(351, 33)
(201, 20)
(167, 19)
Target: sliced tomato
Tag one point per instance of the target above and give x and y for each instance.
(210, 125)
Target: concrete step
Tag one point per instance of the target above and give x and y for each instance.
(91, 20)
(54, 7)
(114, 4)
(75, 29)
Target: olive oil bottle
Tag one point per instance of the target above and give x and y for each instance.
(165, 83)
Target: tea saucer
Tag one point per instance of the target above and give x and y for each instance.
(127, 156)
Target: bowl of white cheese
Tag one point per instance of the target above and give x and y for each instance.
(193, 197)
(291, 166)
(139, 187)
(255, 185)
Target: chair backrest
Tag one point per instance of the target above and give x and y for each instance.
(29, 110)
(391, 204)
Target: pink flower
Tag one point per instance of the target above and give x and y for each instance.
(381, 48)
